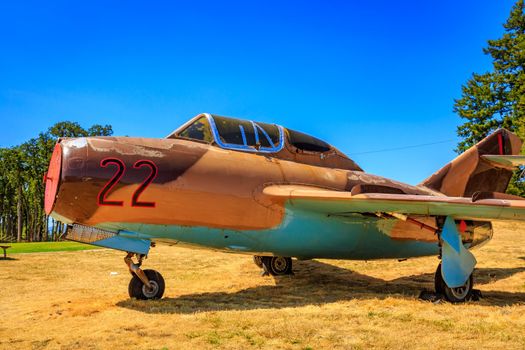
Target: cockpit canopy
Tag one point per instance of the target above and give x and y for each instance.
(249, 136)
(232, 133)
(246, 135)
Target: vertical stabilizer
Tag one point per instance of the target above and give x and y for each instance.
(470, 173)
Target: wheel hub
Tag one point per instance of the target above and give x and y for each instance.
(280, 264)
(461, 292)
(152, 291)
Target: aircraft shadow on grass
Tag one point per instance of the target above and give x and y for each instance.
(317, 283)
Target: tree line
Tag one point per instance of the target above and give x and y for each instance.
(22, 169)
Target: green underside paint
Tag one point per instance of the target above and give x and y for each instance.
(303, 234)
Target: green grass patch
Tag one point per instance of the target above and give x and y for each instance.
(37, 247)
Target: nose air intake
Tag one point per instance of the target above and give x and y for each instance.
(53, 179)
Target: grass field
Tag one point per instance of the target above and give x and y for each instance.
(39, 247)
(78, 300)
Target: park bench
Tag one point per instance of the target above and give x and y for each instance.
(4, 247)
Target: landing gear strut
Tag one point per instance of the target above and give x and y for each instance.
(145, 284)
(274, 265)
(257, 260)
(454, 295)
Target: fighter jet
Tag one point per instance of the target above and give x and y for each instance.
(265, 190)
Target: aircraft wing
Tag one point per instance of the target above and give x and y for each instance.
(341, 202)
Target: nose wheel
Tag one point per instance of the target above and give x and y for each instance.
(139, 290)
(145, 284)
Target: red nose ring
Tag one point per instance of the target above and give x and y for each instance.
(52, 178)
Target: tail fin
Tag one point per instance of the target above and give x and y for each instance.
(470, 172)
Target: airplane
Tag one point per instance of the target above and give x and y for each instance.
(265, 190)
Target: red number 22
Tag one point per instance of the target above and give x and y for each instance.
(121, 168)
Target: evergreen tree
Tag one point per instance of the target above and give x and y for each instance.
(496, 99)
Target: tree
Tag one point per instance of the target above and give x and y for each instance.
(22, 167)
(496, 99)
(73, 129)
(100, 130)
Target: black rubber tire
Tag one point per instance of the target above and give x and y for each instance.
(454, 295)
(277, 265)
(137, 289)
(257, 260)
(438, 281)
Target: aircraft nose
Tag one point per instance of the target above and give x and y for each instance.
(67, 164)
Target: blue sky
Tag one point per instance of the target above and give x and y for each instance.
(362, 75)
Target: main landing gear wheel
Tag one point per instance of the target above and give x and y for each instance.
(277, 265)
(137, 289)
(257, 259)
(454, 295)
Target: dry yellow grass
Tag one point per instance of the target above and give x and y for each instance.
(70, 300)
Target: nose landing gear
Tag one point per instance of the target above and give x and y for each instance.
(145, 284)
